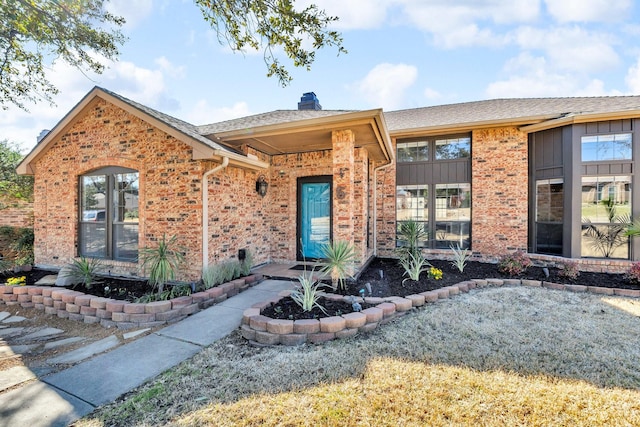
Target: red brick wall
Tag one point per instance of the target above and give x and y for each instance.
(16, 214)
(385, 205)
(238, 216)
(499, 191)
(170, 200)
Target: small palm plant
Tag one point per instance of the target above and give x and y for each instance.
(411, 233)
(163, 261)
(84, 271)
(338, 262)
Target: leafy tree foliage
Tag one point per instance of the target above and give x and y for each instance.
(12, 185)
(34, 33)
(271, 24)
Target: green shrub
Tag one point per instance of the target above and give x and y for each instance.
(514, 264)
(212, 275)
(633, 274)
(173, 291)
(569, 269)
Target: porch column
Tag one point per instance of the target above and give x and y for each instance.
(343, 186)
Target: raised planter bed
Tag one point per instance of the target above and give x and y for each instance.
(262, 330)
(75, 305)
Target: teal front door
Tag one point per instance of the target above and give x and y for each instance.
(314, 216)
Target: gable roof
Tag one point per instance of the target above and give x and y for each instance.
(299, 131)
(202, 147)
(512, 111)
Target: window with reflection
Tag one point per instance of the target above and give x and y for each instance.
(605, 210)
(109, 214)
(598, 148)
(549, 215)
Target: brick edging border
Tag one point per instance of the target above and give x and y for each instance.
(263, 330)
(75, 305)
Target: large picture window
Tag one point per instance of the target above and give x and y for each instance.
(109, 214)
(433, 189)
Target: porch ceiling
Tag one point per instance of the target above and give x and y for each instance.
(315, 134)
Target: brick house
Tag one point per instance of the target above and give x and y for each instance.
(496, 176)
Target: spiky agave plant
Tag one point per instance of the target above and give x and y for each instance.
(307, 293)
(338, 262)
(414, 265)
(163, 261)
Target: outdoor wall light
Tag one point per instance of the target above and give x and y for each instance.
(261, 186)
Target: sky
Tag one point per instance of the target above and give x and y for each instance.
(401, 54)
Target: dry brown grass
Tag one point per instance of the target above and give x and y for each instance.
(502, 356)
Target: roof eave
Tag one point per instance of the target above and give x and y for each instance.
(373, 118)
(580, 118)
(468, 126)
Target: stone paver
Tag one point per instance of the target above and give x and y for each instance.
(24, 348)
(60, 343)
(42, 333)
(134, 334)
(86, 351)
(14, 319)
(10, 331)
(4, 315)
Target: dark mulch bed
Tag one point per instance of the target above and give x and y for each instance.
(287, 308)
(385, 276)
(390, 281)
(119, 288)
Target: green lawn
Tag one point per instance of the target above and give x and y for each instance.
(499, 356)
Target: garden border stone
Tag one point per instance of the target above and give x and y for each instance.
(110, 313)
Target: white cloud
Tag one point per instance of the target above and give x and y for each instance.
(132, 11)
(202, 113)
(533, 77)
(384, 86)
(432, 94)
(570, 48)
(588, 10)
(459, 24)
(176, 72)
(633, 78)
(354, 14)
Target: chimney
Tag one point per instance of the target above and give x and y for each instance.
(42, 134)
(309, 101)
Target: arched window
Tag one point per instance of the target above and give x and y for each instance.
(109, 214)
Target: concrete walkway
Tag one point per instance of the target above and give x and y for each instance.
(68, 395)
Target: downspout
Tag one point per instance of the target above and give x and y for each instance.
(375, 206)
(205, 209)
